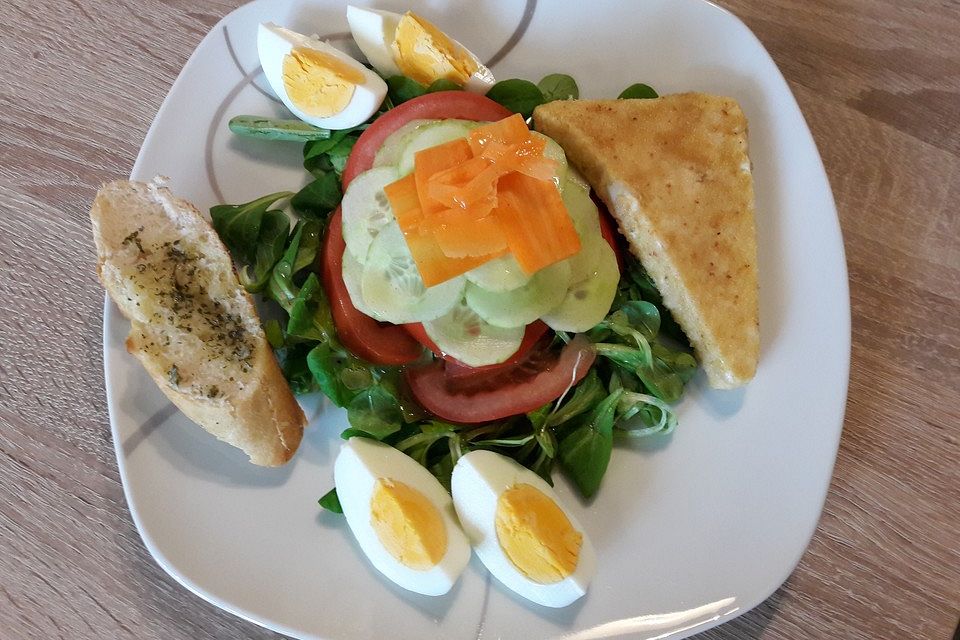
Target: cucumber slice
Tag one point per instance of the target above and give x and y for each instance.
(392, 287)
(388, 155)
(586, 221)
(584, 263)
(581, 207)
(430, 136)
(352, 271)
(464, 335)
(554, 151)
(588, 301)
(366, 210)
(525, 304)
(575, 177)
(500, 274)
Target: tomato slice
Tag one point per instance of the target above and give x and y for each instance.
(474, 403)
(461, 105)
(608, 229)
(385, 344)
(533, 333)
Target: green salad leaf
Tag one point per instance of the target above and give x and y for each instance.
(519, 96)
(271, 240)
(443, 85)
(274, 333)
(585, 453)
(238, 225)
(401, 88)
(331, 501)
(339, 375)
(558, 86)
(638, 91)
(276, 129)
(375, 411)
(310, 317)
(319, 198)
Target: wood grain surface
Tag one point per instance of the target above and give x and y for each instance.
(879, 83)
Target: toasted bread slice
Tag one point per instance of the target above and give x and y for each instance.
(194, 328)
(675, 174)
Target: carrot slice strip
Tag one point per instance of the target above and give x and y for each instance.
(458, 216)
(434, 266)
(507, 131)
(459, 236)
(433, 160)
(535, 222)
(524, 157)
(466, 184)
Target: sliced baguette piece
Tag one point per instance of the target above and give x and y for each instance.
(193, 327)
(675, 174)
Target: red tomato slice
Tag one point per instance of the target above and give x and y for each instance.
(534, 332)
(461, 105)
(378, 343)
(433, 390)
(608, 229)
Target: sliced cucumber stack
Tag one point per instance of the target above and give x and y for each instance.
(588, 301)
(391, 285)
(467, 337)
(366, 209)
(525, 304)
(431, 135)
(500, 274)
(478, 318)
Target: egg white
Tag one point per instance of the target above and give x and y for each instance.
(274, 43)
(358, 466)
(479, 478)
(375, 32)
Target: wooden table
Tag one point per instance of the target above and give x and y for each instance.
(879, 83)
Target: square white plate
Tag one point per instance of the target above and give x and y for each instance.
(690, 531)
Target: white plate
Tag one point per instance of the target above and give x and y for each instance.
(689, 532)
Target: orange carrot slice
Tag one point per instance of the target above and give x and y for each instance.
(433, 160)
(466, 184)
(461, 236)
(434, 266)
(535, 222)
(524, 157)
(507, 131)
(405, 202)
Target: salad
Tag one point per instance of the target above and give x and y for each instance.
(449, 279)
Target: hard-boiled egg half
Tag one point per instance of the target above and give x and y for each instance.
(521, 532)
(401, 516)
(318, 83)
(410, 45)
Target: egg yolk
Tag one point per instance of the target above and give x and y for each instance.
(319, 84)
(536, 534)
(408, 525)
(426, 54)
